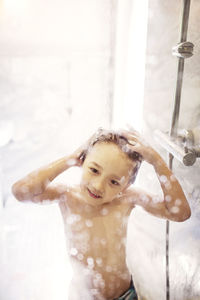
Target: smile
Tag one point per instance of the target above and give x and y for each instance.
(93, 195)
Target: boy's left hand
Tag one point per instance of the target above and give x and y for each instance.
(138, 144)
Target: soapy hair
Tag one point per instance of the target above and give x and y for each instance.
(115, 137)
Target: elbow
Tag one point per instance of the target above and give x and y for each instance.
(23, 193)
(179, 216)
(185, 216)
(187, 213)
(18, 192)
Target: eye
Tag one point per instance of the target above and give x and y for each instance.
(94, 170)
(114, 182)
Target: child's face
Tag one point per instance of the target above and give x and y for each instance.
(106, 173)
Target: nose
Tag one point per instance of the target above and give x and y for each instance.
(98, 186)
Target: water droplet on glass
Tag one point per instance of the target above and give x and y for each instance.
(104, 211)
(89, 223)
(163, 178)
(71, 162)
(168, 198)
(122, 180)
(73, 218)
(99, 261)
(168, 185)
(178, 202)
(95, 282)
(73, 251)
(90, 262)
(175, 209)
(144, 198)
(156, 199)
(172, 178)
(94, 292)
(80, 256)
(98, 276)
(102, 283)
(84, 247)
(108, 269)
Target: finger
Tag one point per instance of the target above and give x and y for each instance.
(136, 137)
(125, 132)
(132, 130)
(131, 133)
(133, 143)
(129, 136)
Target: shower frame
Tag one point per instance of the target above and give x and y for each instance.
(171, 142)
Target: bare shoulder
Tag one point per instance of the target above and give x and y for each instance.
(70, 198)
(133, 196)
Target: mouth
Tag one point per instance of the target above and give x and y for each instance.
(93, 195)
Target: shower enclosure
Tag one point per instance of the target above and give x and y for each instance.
(179, 279)
(69, 67)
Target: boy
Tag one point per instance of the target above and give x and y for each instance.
(95, 213)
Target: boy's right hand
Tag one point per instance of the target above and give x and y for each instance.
(78, 156)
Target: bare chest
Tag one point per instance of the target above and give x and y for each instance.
(97, 239)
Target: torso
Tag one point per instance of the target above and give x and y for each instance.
(96, 240)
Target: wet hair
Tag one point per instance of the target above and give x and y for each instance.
(115, 137)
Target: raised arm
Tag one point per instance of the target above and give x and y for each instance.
(35, 186)
(173, 205)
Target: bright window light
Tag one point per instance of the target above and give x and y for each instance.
(15, 7)
(130, 63)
